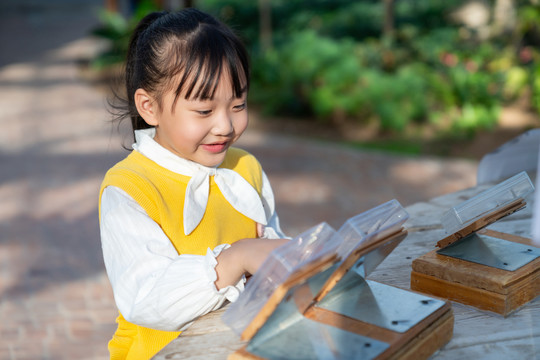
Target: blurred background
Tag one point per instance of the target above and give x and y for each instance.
(353, 103)
(418, 76)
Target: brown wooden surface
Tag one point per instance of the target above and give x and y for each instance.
(429, 340)
(473, 284)
(475, 275)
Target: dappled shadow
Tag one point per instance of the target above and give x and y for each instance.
(49, 222)
(30, 29)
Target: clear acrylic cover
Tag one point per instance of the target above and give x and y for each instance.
(504, 193)
(306, 248)
(373, 224)
(280, 264)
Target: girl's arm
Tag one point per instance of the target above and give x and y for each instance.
(244, 256)
(153, 286)
(247, 255)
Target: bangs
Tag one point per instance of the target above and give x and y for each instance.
(211, 53)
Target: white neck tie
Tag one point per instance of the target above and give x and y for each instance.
(236, 190)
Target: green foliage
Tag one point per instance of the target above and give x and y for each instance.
(476, 116)
(294, 71)
(516, 81)
(342, 79)
(329, 60)
(116, 29)
(536, 89)
(328, 79)
(529, 27)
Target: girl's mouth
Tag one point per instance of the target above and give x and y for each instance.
(215, 147)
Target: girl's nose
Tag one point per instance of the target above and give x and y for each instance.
(223, 125)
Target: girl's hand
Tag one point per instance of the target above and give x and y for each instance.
(260, 230)
(243, 257)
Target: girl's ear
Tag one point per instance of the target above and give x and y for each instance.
(147, 107)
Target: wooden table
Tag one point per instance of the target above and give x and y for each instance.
(477, 334)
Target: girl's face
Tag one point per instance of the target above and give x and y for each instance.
(201, 130)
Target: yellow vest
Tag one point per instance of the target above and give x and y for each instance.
(161, 194)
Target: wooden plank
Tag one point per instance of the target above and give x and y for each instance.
(470, 292)
(511, 349)
(475, 275)
(428, 341)
(482, 299)
(474, 326)
(478, 285)
(208, 338)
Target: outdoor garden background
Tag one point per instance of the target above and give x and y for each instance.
(409, 76)
(353, 103)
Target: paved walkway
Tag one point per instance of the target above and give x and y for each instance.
(55, 146)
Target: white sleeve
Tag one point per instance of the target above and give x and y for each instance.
(153, 286)
(272, 229)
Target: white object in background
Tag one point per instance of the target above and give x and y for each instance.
(536, 210)
(519, 154)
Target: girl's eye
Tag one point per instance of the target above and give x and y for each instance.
(240, 107)
(204, 112)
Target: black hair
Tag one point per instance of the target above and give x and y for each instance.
(189, 43)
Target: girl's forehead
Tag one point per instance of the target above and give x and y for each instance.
(197, 83)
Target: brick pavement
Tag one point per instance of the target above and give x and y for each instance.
(55, 146)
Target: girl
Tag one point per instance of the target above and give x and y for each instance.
(184, 217)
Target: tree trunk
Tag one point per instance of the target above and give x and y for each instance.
(504, 17)
(265, 24)
(388, 26)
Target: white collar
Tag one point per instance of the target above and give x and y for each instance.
(236, 190)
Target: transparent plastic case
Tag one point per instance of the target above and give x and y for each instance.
(282, 262)
(373, 224)
(504, 193)
(306, 248)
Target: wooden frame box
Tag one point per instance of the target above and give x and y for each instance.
(490, 270)
(484, 287)
(329, 307)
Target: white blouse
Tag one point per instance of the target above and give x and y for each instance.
(153, 286)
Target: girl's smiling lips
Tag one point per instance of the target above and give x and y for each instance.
(216, 147)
